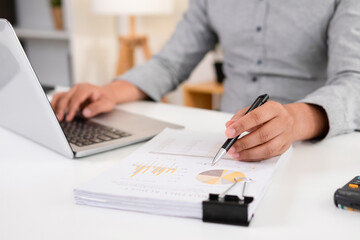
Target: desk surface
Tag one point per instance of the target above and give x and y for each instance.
(36, 191)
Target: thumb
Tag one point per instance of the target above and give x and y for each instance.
(97, 107)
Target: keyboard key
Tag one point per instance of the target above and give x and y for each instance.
(105, 138)
(96, 140)
(112, 135)
(83, 132)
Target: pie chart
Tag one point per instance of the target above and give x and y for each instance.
(218, 176)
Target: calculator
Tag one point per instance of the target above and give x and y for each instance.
(348, 197)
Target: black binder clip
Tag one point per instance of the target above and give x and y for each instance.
(228, 209)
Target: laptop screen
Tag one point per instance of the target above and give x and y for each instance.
(24, 107)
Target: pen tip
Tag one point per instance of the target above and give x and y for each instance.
(218, 156)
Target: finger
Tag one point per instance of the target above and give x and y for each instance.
(95, 96)
(240, 113)
(77, 100)
(254, 118)
(261, 135)
(54, 103)
(55, 99)
(270, 149)
(236, 116)
(100, 106)
(250, 130)
(63, 102)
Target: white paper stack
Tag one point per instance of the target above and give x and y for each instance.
(172, 175)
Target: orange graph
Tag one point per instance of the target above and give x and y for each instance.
(218, 176)
(155, 170)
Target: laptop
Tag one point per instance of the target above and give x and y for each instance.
(26, 110)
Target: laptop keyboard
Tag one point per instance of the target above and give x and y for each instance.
(83, 132)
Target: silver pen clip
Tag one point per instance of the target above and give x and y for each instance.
(236, 181)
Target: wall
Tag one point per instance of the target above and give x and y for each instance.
(95, 45)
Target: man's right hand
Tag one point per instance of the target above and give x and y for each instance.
(92, 100)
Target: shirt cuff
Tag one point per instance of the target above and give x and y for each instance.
(150, 78)
(334, 110)
(138, 81)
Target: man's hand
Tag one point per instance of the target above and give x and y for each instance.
(92, 100)
(273, 127)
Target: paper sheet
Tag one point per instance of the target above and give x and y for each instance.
(172, 175)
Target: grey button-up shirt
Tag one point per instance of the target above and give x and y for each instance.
(294, 50)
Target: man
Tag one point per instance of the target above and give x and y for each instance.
(305, 54)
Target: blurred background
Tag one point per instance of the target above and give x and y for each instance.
(73, 41)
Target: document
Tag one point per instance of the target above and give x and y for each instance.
(172, 174)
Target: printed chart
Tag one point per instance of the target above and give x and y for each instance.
(218, 176)
(155, 170)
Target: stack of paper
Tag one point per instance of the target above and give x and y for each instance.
(172, 175)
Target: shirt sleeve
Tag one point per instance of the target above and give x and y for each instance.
(340, 97)
(192, 39)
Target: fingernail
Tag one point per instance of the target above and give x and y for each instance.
(236, 155)
(230, 132)
(87, 112)
(231, 150)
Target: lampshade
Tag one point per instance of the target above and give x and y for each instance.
(132, 7)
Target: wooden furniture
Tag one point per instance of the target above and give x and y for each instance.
(128, 44)
(200, 95)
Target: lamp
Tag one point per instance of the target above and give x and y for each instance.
(131, 8)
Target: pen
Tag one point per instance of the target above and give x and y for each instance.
(230, 141)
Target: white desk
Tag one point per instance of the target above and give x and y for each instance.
(36, 198)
